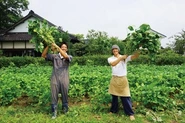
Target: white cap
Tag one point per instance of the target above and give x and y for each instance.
(115, 47)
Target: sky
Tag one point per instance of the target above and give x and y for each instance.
(113, 16)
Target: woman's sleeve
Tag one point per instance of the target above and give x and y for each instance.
(110, 60)
(128, 59)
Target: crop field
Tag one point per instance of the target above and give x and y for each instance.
(157, 94)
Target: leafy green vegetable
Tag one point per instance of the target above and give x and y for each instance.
(43, 34)
(145, 38)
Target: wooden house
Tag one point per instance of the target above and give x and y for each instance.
(15, 40)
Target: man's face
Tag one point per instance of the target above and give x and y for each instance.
(64, 48)
(53, 48)
(115, 51)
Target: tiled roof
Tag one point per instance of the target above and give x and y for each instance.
(163, 36)
(6, 36)
(1, 31)
(30, 14)
(15, 37)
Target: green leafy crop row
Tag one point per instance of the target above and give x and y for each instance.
(153, 87)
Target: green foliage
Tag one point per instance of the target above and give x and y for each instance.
(179, 43)
(44, 34)
(160, 60)
(98, 42)
(167, 52)
(78, 49)
(157, 84)
(143, 37)
(24, 83)
(152, 87)
(101, 60)
(1, 52)
(10, 12)
(94, 60)
(90, 84)
(80, 36)
(170, 60)
(22, 61)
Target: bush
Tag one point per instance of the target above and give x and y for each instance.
(170, 60)
(100, 60)
(160, 60)
(96, 60)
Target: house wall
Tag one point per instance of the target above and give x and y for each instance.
(21, 52)
(19, 48)
(19, 45)
(16, 45)
(23, 27)
(30, 45)
(7, 45)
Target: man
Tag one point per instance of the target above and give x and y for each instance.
(60, 76)
(119, 86)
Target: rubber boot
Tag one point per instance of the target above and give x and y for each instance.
(54, 111)
(65, 108)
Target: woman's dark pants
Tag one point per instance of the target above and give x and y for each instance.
(126, 102)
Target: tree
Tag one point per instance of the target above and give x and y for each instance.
(95, 43)
(179, 42)
(168, 51)
(98, 42)
(78, 49)
(120, 43)
(10, 11)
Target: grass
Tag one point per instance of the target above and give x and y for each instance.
(81, 113)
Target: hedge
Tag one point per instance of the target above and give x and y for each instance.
(100, 60)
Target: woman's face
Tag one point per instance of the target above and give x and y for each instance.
(115, 51)
(64, 47)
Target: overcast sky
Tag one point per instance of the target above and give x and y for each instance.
(113, 16)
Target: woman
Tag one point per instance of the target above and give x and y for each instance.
(119, 86)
